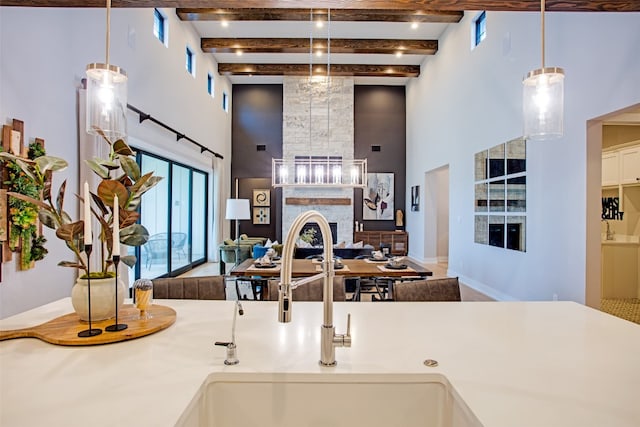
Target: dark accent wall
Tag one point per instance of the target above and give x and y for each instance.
(256, 119)
(380, 120)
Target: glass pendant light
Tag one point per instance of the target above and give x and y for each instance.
(543, 99)
(107, 95)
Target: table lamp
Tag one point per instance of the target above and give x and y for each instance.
(237, 209)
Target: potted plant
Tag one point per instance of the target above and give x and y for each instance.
(119, 175)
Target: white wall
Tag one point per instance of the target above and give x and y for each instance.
(43, 55)
(469, 100)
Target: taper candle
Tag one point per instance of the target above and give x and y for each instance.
(116, 227)
(87, 215)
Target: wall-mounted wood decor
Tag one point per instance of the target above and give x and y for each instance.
(20, 228)
(327, 201)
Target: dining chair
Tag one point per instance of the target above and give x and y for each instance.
(445, 289)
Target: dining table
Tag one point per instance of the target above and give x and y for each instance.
(351, 268)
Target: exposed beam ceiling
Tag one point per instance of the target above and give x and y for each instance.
(300, 45)
(367, 38)
(355, 70)
(455, 5)
(337, 15)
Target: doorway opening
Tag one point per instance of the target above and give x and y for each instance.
(436, 216)
(613, 213)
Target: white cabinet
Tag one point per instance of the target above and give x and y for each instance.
(610, 168)
(629, 165)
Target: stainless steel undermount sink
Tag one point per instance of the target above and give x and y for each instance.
(336, 400)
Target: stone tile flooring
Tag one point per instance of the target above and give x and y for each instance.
(628, 309)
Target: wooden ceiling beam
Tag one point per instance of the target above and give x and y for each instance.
(338, 15)
(455, 5)
(301, 45)
(356, 70)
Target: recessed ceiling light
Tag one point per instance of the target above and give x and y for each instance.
(414, 25)
(319, 53)
(239, 52)
(224, 23)
(398, 54)
(319, 24)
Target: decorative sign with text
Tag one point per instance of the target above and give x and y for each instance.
(611, 208)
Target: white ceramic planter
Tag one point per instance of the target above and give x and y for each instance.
(102, 298)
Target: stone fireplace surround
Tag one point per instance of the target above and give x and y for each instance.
(315, 124)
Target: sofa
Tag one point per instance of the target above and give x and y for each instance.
(208, 287)
(345, 253)
(244, 246)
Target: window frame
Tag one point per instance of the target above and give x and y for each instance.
(160, 20)
(479, 28)
(225, 101)
(190, 61)
(210, 85)
(171, 272)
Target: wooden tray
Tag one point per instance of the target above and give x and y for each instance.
(64, 329)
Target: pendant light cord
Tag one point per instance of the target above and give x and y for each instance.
(108, 29)
(328, 79)
(542, 7)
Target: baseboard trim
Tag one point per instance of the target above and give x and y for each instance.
(481, 287)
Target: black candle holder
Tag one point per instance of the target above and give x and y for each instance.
(116, 327)
(91, 332)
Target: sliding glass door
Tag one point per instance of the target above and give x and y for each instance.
(175, 213)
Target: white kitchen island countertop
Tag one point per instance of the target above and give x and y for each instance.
(515, 364)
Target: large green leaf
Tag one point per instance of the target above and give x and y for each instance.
(151, 182)
(130, 167)
(27, 168)
(46, 185)
(47, 218)
(129, 260)
(70, 264)
(128, 217)
(46, 163)
(98, 201)
(140, 182)
(70, 232)
(122, 149)
(109, 164)
(97, 168)
(60, 198)
(107, 189)
(134, 235)
(66, 219)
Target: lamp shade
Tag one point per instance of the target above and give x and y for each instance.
(238, 209)
(543, 103)
(107, 100)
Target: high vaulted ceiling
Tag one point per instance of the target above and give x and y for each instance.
(376, 41)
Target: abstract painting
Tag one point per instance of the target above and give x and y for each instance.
(377, 198)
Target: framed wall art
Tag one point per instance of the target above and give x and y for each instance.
(415, 198)
(261, 216)
(377, 198)
(261, 197)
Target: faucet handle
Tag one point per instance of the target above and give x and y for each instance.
(345, 340)
(348, 324)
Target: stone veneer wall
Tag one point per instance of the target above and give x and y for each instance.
(326, 131)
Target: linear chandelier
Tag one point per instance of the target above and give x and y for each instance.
(107, 95)
(313, 170)
(543, 99)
